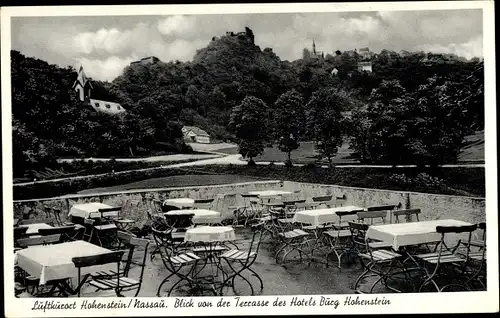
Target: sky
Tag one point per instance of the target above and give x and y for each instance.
(104, 45)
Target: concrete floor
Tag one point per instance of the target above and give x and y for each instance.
(292, 279)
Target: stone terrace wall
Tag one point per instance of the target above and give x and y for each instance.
(136, 203)
(433, 206)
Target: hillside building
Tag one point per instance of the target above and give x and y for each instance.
(365, 60)
(195, 134)
(83, 88)
(146, 60)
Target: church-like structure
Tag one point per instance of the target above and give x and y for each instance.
(83, 88)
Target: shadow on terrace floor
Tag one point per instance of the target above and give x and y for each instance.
(292, 279)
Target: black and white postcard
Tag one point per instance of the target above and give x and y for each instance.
(328, 158)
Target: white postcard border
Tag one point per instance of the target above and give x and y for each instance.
(399, 303)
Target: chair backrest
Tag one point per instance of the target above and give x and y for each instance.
(257, 230)
(64, 230)
(49, 221)
(125, 237)
(408, 215)
(344, 214)
(381, 208)
(443, 230)
(101, 259)
(358, 236)
(340, 200)
(323, 198)
(168, 208)
(135, 243)
(180, 221)
(110, 213)
(203, 203)
(165, 246)
(39, 240)
(19, 232)
(157, 208)
(306, 205)
(370, 216)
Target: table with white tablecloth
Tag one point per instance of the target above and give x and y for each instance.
(54, 262)
(181, 203)
(319, 217)
(411, 233)
(87, 210)
(210, 234)
(201, 216)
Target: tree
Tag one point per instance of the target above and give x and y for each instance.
(425, 127)
(288, 121)
(249, 122)
(306, 54)
(324, 121)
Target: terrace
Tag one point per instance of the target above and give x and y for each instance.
(299, 216)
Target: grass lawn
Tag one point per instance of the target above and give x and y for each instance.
(473, 150)
(305, 154)
(175, 181)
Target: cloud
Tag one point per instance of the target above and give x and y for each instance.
(469, 49)
(106, 69)
(107, 43)
(177, 24)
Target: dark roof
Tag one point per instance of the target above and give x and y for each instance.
(196, 130)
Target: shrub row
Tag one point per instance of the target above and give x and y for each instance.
(452, 181)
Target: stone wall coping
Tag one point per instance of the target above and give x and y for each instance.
(385, 190)
(135, 191)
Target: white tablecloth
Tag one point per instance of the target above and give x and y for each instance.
(412, 233)
(33, 228)
(87, 210)
(321, 216)
(210, 234)
(269, 193)
(180, 202)
(51, 262)
(201, 216)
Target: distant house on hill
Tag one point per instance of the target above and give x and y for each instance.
(83, 87)
(146, 60)
(195, 134)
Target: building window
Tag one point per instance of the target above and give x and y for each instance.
(107, 106)
(96, 104)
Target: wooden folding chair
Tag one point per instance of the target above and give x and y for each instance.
(101, 259)
(387, 207)
(378, 262)
(245, 260)
(370, 217)
(338, 239)
(325, 200)
(122, 282)
(476, 267)
(39, 240)
(175, 260)
(68, 233)
(31, 281)
(447, 267)
(203, 203)
(19, 232)
(410, 215)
